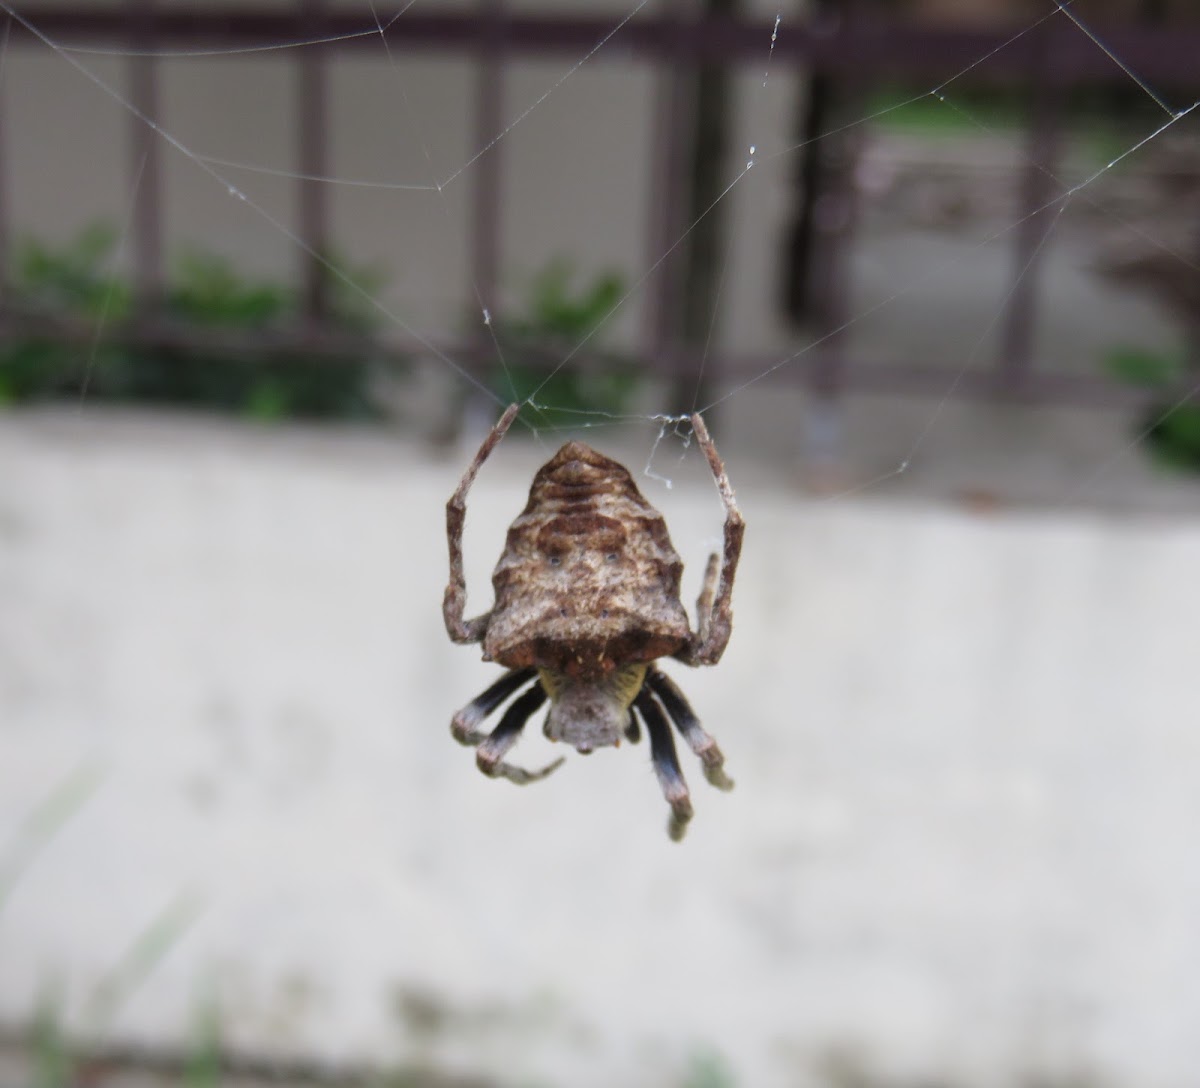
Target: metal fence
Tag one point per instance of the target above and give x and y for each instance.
(1048, 60)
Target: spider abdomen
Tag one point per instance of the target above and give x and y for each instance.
(589, 579)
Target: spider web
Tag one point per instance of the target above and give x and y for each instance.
(424, 164)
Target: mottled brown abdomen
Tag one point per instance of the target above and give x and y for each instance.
(589, 576)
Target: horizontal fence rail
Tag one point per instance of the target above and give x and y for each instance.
(882, 46)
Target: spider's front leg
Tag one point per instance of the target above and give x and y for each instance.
(715, 620)
(493, 746)
(455, 601)
(464, 726)
(490, 754)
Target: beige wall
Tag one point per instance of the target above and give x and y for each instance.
(961, 848)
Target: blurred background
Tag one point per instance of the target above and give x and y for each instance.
(270, 271)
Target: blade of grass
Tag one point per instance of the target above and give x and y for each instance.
(41, 825)
(145, 954)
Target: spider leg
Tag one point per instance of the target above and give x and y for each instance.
(681, 713)
(666, 764)
(633, 731)
(715, 621)
(465, 724)
(490, 754)
(455, 600)
(704, 603)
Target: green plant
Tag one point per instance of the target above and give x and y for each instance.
(202, 1063)
(72, 280)
(53, 1066)
(559, 317)
(708, 1069)
(968, 112)
(35, 833)
(208, 291)
(1143, 366)
(75, 277)
(1170, 427)
(206, 298)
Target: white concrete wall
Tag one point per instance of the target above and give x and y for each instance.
(961, 849)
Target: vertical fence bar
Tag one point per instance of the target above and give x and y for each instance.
(489, 119)
(800, 287)
(1191, 304)
(146, 162)
(823, 237)
(5, 238)
(834, 212)
(313, 155)
(1020, 320)
(711, 124)
(666, 223)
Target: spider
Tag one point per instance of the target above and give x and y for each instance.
(586, 602)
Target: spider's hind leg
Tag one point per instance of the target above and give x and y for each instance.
(666, 764)
(684, 717)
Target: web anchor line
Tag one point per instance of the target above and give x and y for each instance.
(1153, 96)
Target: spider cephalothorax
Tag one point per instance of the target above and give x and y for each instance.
(587, 599)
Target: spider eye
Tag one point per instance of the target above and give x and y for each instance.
(611, 557)
(555, 561)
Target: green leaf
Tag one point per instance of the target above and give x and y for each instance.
(1143, 366)
(559, 315)
(1175, 436)
(267, 401)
